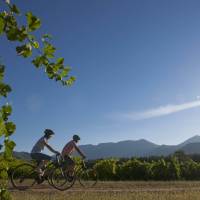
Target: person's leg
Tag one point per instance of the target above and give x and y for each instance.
(70, 169)
(42, 160)
(70, 166)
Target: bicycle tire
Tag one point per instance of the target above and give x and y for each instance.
(49, 178)
(24, 176)
(87, 177)
(60, 180)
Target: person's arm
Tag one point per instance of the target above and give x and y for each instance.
(50, 148)
(80, 152)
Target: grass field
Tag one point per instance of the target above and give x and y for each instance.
(116, 191)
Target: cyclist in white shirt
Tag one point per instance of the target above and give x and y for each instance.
(36, 152)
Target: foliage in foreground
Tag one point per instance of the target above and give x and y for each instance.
(43, 53)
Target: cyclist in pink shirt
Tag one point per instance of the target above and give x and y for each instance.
(68, 149)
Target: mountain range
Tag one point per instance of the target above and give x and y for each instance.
(131, 148)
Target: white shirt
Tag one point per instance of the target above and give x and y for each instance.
(39, 146)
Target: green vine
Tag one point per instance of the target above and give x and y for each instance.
(45, 58)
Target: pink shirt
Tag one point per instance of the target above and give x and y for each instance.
(69, 148)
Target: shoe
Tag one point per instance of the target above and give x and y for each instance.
(39, 180)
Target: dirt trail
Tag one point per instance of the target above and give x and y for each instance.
(103, 189)
(113, 190)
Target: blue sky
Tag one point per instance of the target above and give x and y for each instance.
(137, 68)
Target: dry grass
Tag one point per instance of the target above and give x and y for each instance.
(117, 191)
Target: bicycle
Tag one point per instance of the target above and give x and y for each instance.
(25, 176)
(86, 175)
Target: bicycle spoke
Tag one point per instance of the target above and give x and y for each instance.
(23, 176)
(60, 180)
(87, 177)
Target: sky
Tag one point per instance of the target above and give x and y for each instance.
(137, 68)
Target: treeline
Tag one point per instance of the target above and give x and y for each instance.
(175, 167)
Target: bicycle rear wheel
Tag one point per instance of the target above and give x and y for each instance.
(60, 180)
(48, 178)
(24, 176)
(87, 177)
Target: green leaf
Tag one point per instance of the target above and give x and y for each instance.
(10, 21)
(10, 127)
(49, 70)
(4, 89)
(31, 37)
(2, 127)
(47, 36)
(50, 75)
(39, 61)
(70, 81)
(33, 22)
(22, 34)
(2, 69)
(9, 146)
(6, 111)
(14, 9)
(4, 193)
(65, 72)
(2, 24)
(12, 34)
(58, 78)
(49, 50)
(3, 174)
(35, 44)
(60, 61)
(24, 50)
(56, 67)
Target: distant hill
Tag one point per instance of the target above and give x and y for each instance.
(129, 148)
(120, 149)
(22, 155)
(139, 148)
(192, 148)
(164, 150)
(194, 139)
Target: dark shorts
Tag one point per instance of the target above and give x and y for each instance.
(40, 156)
(68, 161)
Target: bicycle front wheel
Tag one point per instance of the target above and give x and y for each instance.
(60, 180)
(87, 177)
(24, 176)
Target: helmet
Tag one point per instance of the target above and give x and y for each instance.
(76, 137)
(48, 132)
